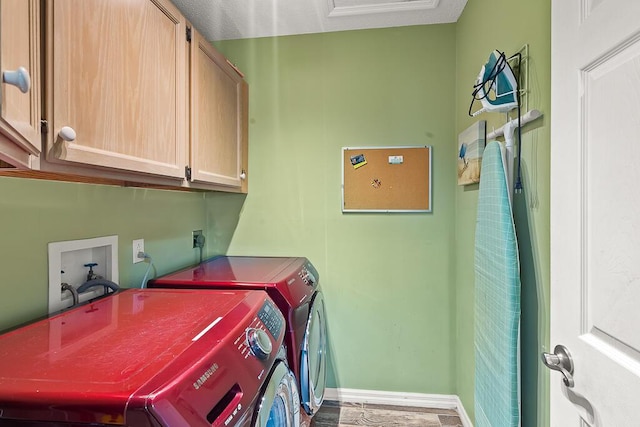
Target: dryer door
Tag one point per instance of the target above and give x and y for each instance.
(313, 363)
(280, 403)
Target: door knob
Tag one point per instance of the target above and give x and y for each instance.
(560, 360)
(19, 78)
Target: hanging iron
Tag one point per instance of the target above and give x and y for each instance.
(496, 86)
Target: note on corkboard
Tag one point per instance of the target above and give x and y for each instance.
(386, 179)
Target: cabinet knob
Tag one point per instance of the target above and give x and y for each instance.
(243, 175)
(19, 78)
(67, 134)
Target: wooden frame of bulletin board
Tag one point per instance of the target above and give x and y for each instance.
(386, 179)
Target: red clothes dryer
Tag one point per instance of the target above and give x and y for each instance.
(292, 283)
(151, 357)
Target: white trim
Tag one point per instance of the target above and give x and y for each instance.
(420, 400)
(464, 417)
(354, 9)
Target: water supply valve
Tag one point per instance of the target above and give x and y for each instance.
(91, 275)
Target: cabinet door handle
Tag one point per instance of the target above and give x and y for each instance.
(67, 134)
(19, 78)
(243, 175)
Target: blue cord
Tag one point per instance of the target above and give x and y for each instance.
(148, 259)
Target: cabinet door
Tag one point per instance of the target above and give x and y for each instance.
(20, 50)
(219, 118)
(117, 78)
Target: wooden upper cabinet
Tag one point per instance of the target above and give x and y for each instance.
(117, 76)
(219, 118)
(20, 61)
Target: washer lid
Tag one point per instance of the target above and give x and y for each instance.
(101, 354)
(290, 281)
(225, 269)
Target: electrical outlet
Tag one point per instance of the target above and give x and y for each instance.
(138, 246)
(197, 238)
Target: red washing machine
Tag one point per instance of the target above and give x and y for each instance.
(293, 284)
(151, 357)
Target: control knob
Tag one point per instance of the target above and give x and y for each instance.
(307, 277)
(312, 279)
(259, 343)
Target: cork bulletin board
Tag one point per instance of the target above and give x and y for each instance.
(386, 179)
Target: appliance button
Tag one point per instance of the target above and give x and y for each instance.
(259, 343)
(311, 279)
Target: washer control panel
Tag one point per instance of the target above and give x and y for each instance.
(270, 316)
(308, 275)
(259, 336)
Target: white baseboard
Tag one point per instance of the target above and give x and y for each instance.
(442, 401)
(464, 417)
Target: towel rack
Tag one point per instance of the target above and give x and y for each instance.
(529, 116)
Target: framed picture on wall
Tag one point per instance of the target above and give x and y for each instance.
(471, 144)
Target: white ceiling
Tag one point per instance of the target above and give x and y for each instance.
(240, 19)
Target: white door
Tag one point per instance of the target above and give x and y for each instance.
(595, 210)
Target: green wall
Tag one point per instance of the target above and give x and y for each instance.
(34, 213)
(400, 284)
(398, 287)
(387, 278)
(507, 26)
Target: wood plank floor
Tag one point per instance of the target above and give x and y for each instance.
(335, 414)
